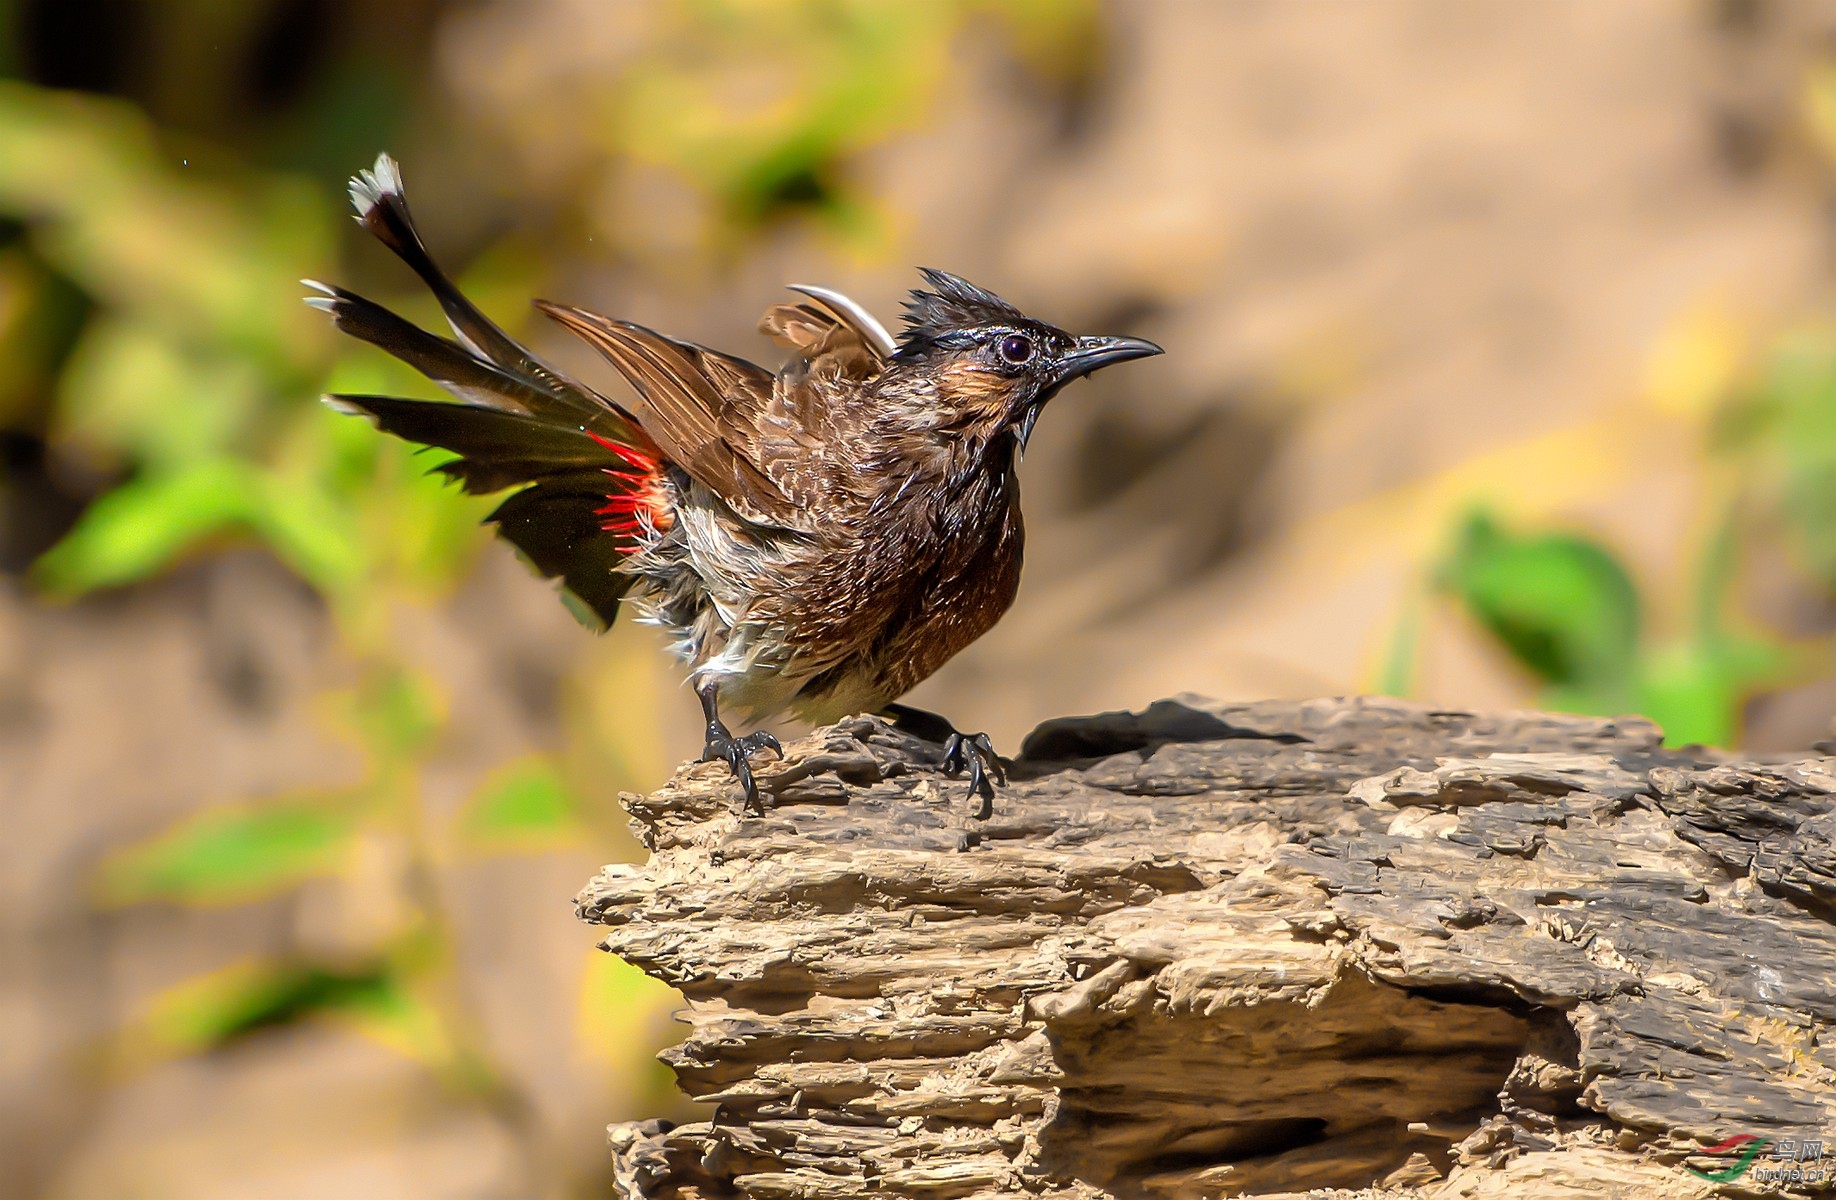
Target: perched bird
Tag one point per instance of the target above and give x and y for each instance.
(817, 541)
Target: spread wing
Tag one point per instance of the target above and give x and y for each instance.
(699, 405)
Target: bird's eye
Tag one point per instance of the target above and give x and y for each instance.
(1016, 347)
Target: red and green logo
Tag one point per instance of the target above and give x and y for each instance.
(1746, 1145)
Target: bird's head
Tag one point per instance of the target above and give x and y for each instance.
(990, 367)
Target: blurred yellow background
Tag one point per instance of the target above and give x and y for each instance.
(1499, 372)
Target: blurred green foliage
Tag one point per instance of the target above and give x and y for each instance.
(527, 805)
(194, 375)
(1566, 608)
(1781, 433)
(763, 106)
(1562, 605)
(227, 855)
(224, 1007)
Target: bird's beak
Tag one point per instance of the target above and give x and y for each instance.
(1090, 354)
(1094, 353)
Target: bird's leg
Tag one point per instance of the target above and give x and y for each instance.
(971, 752)
(722, 745)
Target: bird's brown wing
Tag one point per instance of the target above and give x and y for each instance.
(837, 337)
(699, 405)
(805, 431)
(829, 348)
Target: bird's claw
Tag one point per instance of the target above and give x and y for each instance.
(974, 753)
(736, 752)
(762, 740)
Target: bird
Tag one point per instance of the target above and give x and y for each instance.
(815, 540)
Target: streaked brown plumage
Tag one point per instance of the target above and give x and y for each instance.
(817, 541)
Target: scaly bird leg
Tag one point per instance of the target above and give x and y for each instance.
(971, 752)
(722, 745)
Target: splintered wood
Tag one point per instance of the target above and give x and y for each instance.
(1219, 950)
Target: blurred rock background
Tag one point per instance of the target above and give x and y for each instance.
(1499, 373)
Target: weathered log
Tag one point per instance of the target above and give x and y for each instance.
(1241, 950)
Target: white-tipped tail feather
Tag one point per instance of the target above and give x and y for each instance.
(328, 302)
(369, 187)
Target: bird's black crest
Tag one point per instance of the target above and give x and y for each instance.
(952, 304)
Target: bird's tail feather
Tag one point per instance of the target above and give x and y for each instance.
(382, 207)
(584, 503)
(469, 378)
(591, 480)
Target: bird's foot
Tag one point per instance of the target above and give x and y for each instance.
(736, 752)
(971, 752)
(974, 753)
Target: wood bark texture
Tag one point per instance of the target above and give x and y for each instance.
(1352, 946)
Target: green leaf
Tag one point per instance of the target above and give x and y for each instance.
(526, 807)
(1563, 605)
(141, 527)
(1697, 692)
(401, 1017)
(230, 855)
(226, 1006)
